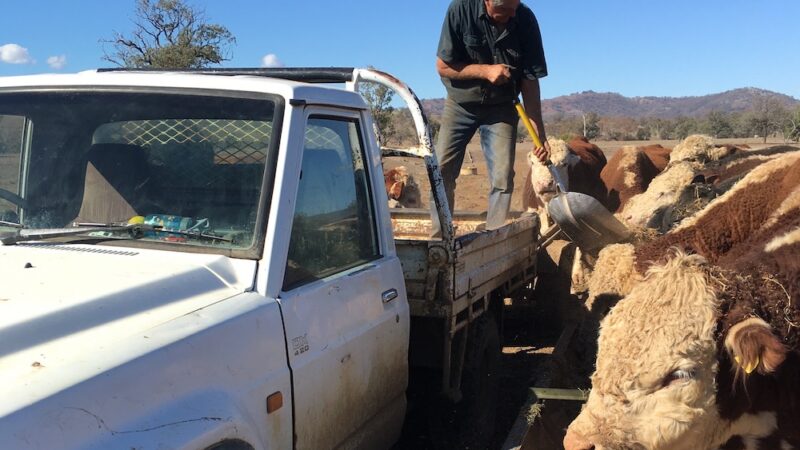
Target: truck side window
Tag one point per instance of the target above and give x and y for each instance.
(11, 140)
(334, 221)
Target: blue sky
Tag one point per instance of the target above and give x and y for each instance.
(634, 47)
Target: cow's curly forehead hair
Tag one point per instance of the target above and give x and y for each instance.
(664, 325)
(675, 299)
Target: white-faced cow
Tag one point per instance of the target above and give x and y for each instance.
(749, 212)
(700, 357)
(578, 163)
(673, 185)
(704, 352)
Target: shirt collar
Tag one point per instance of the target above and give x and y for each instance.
(482, 13)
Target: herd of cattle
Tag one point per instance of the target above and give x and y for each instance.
(699, 325)
(696, 334)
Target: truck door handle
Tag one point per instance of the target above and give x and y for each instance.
(389, 295)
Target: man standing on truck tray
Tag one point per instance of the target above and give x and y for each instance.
(489, 52)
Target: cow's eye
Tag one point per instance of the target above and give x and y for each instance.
(678, 376)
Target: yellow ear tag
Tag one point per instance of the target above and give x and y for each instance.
(136, 220)
(750, 367)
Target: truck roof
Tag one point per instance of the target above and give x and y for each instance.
(291, 90)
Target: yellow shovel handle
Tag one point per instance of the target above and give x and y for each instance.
(528, 124)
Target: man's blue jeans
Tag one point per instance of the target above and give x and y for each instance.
(498, 125)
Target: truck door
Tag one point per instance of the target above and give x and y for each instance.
(343, 294)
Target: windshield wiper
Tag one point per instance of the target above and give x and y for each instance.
(135, 231)
(11, 224)
(195, 234)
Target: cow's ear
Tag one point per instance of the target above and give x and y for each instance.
(752, 346)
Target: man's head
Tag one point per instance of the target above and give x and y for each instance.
(501, 11)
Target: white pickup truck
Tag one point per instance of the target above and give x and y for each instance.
(207, 261)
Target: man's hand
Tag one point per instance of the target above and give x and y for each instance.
(497, 74)
(543, 153)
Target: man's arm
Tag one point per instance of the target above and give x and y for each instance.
(495, 73)
(532, 100)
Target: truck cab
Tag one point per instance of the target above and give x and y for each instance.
(194, 261)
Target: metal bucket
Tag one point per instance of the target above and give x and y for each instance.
(585, 221)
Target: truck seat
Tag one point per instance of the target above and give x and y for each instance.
(116, 183)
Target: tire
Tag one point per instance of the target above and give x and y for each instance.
(470, 423)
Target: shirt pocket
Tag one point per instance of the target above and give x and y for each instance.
(478, 48)
(512, 51)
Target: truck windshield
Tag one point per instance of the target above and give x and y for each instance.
(190, 162)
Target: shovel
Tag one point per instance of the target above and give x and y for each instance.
(580, 217)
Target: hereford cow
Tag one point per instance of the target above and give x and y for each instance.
(578, 163)
(630, 171)
(748, 212)
(681, 188)
(585, 176)
(700, 148)
(697, 356)
(729, 170)
(700, 357)
(401, 188)
(741, 214)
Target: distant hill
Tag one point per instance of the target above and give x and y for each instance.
(613, 104)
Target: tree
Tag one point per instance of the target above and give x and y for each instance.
(435, 125)
(768, 116)
(379, 99)
(718, 125)
(405, 133)
(659, 128)
(741, 125)
(592, 127)
(684, 126)
(643, 133)
(792, 131)
(619, 128)
(170, 34)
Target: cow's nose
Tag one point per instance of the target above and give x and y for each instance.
(573, 441)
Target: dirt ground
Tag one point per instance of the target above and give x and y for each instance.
(472, 189)
(531, 329)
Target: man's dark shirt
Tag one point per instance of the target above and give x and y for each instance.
(469, 37)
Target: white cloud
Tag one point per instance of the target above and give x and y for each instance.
(57, 62)
(271, 60)
(14, 54)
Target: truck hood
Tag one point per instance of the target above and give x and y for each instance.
(66, 309)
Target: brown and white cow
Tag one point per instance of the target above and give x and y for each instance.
(674, 185)
(585, 175)
(630, 171)
(745, 215)
(401, 188)
(578, 163)
(700, 357)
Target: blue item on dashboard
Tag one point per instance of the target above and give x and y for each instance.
(167, 222)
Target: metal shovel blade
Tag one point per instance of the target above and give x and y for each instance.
(585, 221)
